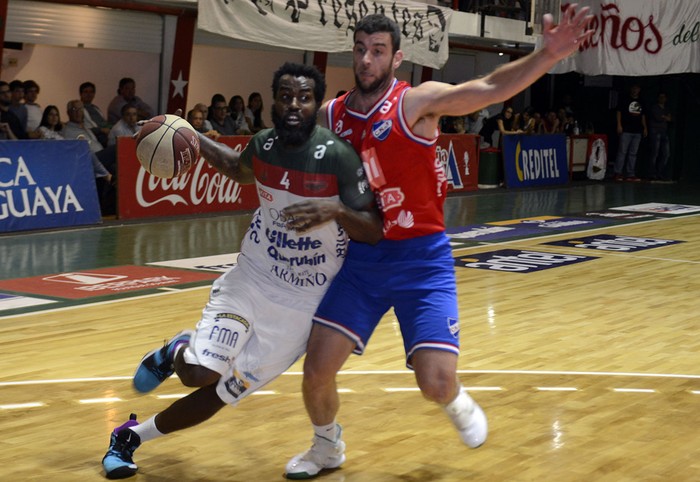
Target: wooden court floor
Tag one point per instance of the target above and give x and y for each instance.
(587, 371)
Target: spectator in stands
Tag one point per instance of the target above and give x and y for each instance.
(214, 99)
(75, 129)
(503, 122)
(550, 123)
(458, 125)
(196, 119)
(236, 108)
(526, 122)
(104, 162)
(659, 117)
(201, 107)
(10, 125)
(126, 126)
(126, 94)
(570, 126)
(253, 112)
(17, 106)
(220, 120)
(34, 111)
(94, 118)
(631, 127)
(50, 125)
(452, 125)
(475, 121)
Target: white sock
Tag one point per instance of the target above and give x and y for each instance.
(147, 430)
(462, 404)
(328, 432)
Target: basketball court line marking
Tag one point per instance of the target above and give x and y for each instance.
(391, 372)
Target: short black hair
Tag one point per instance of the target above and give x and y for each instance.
(30, 84)
(300, 70)
(86, 85)
(377, 22)
(125, 80)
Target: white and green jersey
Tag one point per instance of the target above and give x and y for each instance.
(298, 268)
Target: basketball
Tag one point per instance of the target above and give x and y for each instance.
(167, 146)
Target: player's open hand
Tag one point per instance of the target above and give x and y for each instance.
(562, 40)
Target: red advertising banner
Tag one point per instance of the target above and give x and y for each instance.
(201, 190)
(105, 281)
(459, 153)
(204, 190)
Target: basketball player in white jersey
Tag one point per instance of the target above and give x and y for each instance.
(257, 321)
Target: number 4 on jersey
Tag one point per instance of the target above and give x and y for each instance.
(285, 180)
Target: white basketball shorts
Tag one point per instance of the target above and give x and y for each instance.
(246, 336)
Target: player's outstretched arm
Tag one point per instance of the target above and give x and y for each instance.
(435, 99)
(364, 225)
(225, 160)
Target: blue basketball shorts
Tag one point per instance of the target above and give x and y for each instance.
(414, 276)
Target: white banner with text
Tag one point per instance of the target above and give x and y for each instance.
(638, 37)
(328, 26)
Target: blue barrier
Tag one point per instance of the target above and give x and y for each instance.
(46, 184)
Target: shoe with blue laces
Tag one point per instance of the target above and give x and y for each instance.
(157, 365)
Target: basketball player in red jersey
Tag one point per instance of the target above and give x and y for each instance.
(394, 128)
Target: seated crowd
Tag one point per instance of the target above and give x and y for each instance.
(21, 117)
(529, 121)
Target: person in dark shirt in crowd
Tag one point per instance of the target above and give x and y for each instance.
(631, 127)
(10, 125)
(126, 94)
(503, 122)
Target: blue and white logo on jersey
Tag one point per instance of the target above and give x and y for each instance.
(381, 129)
(453, 326)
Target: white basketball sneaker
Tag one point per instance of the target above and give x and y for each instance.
(469, 419)
(323, 454)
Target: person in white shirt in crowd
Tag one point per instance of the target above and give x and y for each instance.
(75, 129)
(50, 125)
(204, 109)
(126, 126)
(34, 111)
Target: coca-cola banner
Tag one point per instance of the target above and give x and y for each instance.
(638, 37)
(204, 190)
(201, 190)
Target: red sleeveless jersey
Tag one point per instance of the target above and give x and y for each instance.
(407, 178)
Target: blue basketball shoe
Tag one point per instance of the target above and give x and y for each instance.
(157, 365)
(117, 462)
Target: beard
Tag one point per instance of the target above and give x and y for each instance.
(376, 85)
(293, 136)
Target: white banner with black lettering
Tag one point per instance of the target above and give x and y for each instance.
(639, 37)
(328, 26)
